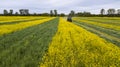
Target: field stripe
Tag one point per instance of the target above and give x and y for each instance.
(6, 19)
(20, 21)
(106, 34)
(117, 28)
(12, 19)
(5, 29)
(100, 18)
(104, 21)
(27, 51)
(73, 46)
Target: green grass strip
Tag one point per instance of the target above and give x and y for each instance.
(109, 35)
(25, 48)
(73, 46)
(105, 21)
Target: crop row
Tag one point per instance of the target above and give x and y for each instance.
(6, 19)
(20, 21)
(109, 26)
(25, 48)
(106, 33)
(103, 20)
(5, 29)
(73, 46)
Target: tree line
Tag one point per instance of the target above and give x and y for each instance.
(25, 12)
(103, 13)
(110, 12)
(54, 13)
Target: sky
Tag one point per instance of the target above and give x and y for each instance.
(63, 6)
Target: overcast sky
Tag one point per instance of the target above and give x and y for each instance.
(63, 6)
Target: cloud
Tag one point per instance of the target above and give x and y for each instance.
(40, 6)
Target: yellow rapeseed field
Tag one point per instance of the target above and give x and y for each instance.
(99, 24)
(7, 19)
(4, 29)
(73, 46)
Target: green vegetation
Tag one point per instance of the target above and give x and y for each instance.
(26, 47)
(110, 34)
(53, 42)
(73, 46)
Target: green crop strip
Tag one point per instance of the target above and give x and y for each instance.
(111, 22)
(25, 48)
(103, 20)
(73, 46)
(114, 35)
(105, 30)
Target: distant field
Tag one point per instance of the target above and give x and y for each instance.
(54, 42)
(105, 27)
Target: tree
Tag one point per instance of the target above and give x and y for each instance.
(51, 13)
(102, 11)
(45, 14)
(16, 13)
(24, 11)
(21, 11)
(118, 11)
(79, 14)
(55, 12)
(87, 14)
(111, 11)
(62, 14)
(11, 12)
(72, 13)
(5, 12)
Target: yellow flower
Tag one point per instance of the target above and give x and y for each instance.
(4, 29)
(73, 46)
